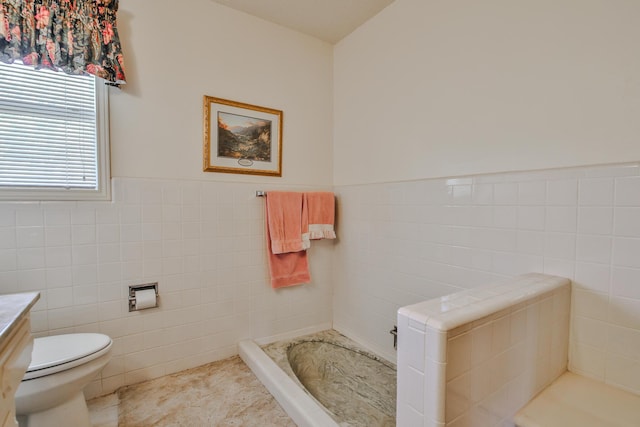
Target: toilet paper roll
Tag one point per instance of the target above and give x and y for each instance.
(145, 298)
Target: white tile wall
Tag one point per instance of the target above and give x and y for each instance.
(202, 241)
(401, 243)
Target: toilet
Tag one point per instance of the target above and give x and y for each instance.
(50, 394)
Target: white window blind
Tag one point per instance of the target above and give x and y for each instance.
(50, 133)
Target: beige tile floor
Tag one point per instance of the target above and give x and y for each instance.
(223, 393)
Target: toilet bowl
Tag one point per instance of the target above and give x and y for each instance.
(50, 394)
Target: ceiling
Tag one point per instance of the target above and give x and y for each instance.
(328, 20)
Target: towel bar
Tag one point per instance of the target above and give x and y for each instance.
(261, 193)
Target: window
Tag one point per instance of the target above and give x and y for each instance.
(53, 135)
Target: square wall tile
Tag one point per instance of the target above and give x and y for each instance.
(31, 280)
(7, 217)
(29, 258)
(625, 282)
(481, 343)
(532, 193)
(131, 214)
(559, 267)
(58, 256)
(505, 216)
(623, 341)
(561, 218)
(83, 216)
(58, 236)
(562, 192)
(57, 217)
(593, 248)
(8, 259)
(59, 318)
(8, 238)
(83, 234)
(8, 282)
(518, 326)
(595, 220)
(108, 214)
(624, 312)
(596, 191)
(435, 391)
(415, 389)
(60, 297)
(628, 191)
(560, 245)
(590, 304)
(531, 242)
(501, 337)
(108, 233)
(29, 237)
(436, 345)
(531, 218)
(590, 332)
(623, 372)
(458, 355)
(482, 194)
(626, 252)
(505, 193)
(592, 277)
(415, 347)
(627, 222)
(32, 217)
(457, 399)
(410, 417)
(587, 361)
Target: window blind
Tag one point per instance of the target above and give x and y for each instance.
(48, 134)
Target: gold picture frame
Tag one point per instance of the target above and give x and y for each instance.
(241, 138)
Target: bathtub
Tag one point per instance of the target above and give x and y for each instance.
(326, 379)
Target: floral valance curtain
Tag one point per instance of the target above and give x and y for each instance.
(75, 36)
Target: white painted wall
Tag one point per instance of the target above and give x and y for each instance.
(177, 54)
(432, 88)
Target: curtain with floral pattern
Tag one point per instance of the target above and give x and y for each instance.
(75, 36)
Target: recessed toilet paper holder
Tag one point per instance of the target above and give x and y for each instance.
(134, 288)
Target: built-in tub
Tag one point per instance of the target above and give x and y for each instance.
(355, 388)
(351, 385)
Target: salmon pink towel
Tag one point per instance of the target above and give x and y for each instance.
(285, 218)
(286, 221)
(320, 207)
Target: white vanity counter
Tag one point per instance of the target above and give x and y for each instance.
(16, 344)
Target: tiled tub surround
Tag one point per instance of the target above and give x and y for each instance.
(406, 242)
(475, 357)
(358, 387)
(202, 241)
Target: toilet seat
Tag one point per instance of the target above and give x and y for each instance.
(61, 352)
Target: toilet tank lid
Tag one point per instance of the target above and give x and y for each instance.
(60, 349)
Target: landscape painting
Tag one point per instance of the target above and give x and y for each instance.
(242, 138)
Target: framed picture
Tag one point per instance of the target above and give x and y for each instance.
(242, 138)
